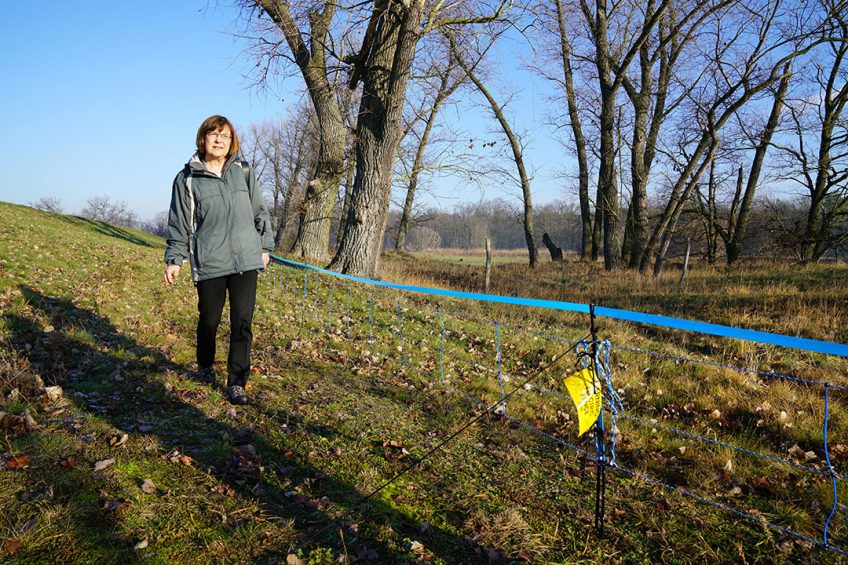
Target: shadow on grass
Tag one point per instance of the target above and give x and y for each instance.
(105, 228)
(178, 424)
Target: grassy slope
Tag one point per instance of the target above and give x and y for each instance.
(83, 305)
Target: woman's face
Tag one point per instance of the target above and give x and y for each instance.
(218, 143)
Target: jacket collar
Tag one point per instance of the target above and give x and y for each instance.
(197, 166)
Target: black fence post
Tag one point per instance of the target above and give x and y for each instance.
(600, 440)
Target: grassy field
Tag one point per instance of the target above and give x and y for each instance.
(137, 461)
(478, 256)
(806, 301)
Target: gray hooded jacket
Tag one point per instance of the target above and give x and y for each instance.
(219, 223)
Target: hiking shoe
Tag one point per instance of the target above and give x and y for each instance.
(236, 395)
(206, 375)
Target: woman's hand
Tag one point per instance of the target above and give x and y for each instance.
(266, 258)
(171, 273)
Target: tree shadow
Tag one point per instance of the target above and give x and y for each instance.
(332, 505)
(106, 229)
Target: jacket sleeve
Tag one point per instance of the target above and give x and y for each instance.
(261, 218)
(179, 229)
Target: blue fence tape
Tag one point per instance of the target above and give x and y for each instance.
(812, 345)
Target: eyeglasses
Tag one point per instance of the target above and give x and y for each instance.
(216, 135)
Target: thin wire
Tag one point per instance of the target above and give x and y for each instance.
(727, 508)
(731, 367)
(415, 463)
(731, 446)
(470, 423)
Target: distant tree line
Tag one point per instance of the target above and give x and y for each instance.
(772, 232)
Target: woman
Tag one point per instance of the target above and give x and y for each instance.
(218, 222)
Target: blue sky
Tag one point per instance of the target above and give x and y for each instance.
(103, 98)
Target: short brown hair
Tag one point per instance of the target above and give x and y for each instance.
(214, 123)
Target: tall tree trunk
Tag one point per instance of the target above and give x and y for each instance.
(579, 138)
(607, 187)
(677, 205)
(313, 237)
(739, 226)
(643, 147)
(350, 168)
(444, 91)
(597, 225)
(712, 232)
(518, 159)
(609, 85)
(314, 232)
(816, 237)
(386, 73)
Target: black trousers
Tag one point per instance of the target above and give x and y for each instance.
(210, 305)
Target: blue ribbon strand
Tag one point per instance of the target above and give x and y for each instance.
(812, 345)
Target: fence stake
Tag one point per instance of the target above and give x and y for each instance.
(488, 265)
(829, 466)
(600, 445)
(303, 301)
(400, 335)
(317, 283)
(441, 344)
(500, 377)
(287, 284)
(330, 306)
(371, 322)
(347, 317)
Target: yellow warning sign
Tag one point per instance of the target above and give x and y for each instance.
(585, 391)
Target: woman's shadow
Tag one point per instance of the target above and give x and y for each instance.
(88, 364)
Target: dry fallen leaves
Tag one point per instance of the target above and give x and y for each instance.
(415, 546)
(12, 546)
(52, 393)
(115, 505)
(100, 465)
(18, 462)
(118, 440)
(394, 450)
(174, 456)
(141, 545)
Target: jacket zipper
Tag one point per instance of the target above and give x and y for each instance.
(228, 199)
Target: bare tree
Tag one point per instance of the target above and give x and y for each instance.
(611, 72)
(818, 158)
(286, 152)
(557, 23)
(104, 209)
(383, 64)
(516, 148)
(311, 59)
(448, 81)
(48, 204)
(733, 230)
(653, 99)
(157, 225)
(750, 52)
